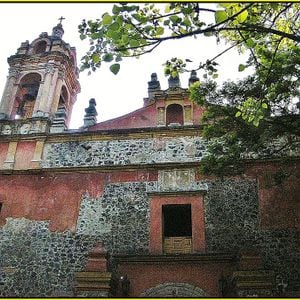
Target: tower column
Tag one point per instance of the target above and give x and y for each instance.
(57, 90)
(40, 108)
(7, 101)
(52, 91)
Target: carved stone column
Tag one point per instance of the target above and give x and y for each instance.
(41, 105)
(57, 91)
(161, 118)
(9, 95)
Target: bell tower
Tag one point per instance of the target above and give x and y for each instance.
(42, 79)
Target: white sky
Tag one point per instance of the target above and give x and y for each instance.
(116, 95)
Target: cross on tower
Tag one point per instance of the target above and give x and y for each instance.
(60, 19)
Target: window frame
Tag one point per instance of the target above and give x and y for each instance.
(156, 219)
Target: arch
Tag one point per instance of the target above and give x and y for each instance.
(174, 114)
(64, 96)
(40, 47)
(26, 95)
(174, 290)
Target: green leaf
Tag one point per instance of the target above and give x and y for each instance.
(160, 31)
(167, 8)
(95, 58)
(114, 26)
(115, 9)
(108, 57)
(264, 105)
(115, 68)
(250, 43)
(256, 123)
(220, 16)
(95, 35)
(115, 35)
(125, 39)
(134, 43)
(174, 74)
(242, 16)
(106, 19)
(238, 113)
(241, 67)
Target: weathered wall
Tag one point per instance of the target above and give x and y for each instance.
(99, 189)
(119, 216)
(123, 152)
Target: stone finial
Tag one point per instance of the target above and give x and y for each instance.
(193, 77)
(174, 82)
(90, 117)
(23, 48)
(154, 84)
(59, 120)
(153, 87)
(58, 31)
(91, 109)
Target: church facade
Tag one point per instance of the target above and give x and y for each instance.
(119, 208)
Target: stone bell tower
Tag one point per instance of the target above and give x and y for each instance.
(42, 79)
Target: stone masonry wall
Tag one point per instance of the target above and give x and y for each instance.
(120, 218)
(37, 262)
(123, 152)
(232, 223)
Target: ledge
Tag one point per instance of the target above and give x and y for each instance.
(197, 258)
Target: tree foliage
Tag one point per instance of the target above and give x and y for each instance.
(244, 115)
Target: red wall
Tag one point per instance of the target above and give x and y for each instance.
(144, 117)
(24, 155)
(56, 196)
(3, 152)
(148, 275)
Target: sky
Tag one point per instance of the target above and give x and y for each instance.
(115, 95)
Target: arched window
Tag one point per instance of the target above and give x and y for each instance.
(40, 47)
(174, 114)
(64, 96)
(26, 96)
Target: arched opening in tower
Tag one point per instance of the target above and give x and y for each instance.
(26, 96)
(40, 47)
(174, 115)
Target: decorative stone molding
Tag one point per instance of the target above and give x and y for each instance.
(174, 290)
(176, 181)
(23, 127)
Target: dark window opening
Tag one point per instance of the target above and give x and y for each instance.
(177, 220)
(174, 114)
(1, 206)
(26, 96)
(40, 47)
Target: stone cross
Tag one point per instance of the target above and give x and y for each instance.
(60, 19)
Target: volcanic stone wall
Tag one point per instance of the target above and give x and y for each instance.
(123, 152)
(35, 261)
(38, 262)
